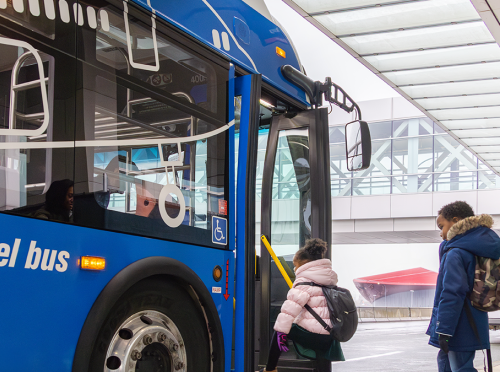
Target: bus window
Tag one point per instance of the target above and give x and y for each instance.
(163, 65)
(31, 16)
(292, 181)
(133, 164)
(112, 47)
(291, 196)
(26, 110)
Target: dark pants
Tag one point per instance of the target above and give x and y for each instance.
(323, 365)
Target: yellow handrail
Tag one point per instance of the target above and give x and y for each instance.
(276, 260)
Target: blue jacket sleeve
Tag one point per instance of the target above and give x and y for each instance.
(455, 288)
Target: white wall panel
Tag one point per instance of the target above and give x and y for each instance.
(411, 205)
(342, 226)
(378, 206)
(415, 224)
(442, 198)
(339, 116)
(341, 208)
(488, 201)
(376, 110)
(374, 225)
(402, 109)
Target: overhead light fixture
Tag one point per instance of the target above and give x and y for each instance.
(267, 104)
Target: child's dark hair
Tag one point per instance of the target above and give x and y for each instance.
(459, 209)
(313, 250)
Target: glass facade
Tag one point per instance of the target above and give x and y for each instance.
(408, 156)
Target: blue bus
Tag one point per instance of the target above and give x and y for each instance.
(128, 161)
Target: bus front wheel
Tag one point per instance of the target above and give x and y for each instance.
(156, 326)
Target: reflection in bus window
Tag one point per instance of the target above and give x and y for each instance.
(24, 173)
(292, 179)
(31, 16)
(129, 169)
(179, 70)
(58, 204)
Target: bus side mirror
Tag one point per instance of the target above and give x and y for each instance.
(358, 145)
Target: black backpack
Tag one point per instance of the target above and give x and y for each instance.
(343, 314)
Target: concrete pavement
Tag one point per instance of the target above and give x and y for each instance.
(399, 346)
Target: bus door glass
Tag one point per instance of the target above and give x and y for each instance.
(294, 201)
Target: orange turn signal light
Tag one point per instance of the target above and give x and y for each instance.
(92, 263)
(217, 273)
(280, 52)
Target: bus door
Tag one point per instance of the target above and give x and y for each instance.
(283, 164)
(295, 206)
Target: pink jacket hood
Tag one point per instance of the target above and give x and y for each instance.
(292, 311)
(319, 271)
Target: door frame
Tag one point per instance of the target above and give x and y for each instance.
(249, 88)
(319, 162)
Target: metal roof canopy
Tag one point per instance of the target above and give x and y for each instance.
(441, 55)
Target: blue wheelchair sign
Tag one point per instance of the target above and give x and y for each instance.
(219, 230)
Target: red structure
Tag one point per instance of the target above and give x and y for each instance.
(378, 286)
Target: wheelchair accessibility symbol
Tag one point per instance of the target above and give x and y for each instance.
(219, 230)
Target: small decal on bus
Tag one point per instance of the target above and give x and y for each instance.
(223, 207)
(219, 230)
(216, 289)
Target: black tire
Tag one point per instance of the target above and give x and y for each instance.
(169, 298)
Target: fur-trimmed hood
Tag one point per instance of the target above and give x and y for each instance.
(474, 235)
(469, 223)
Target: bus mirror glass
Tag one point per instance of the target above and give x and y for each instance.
(358, 145)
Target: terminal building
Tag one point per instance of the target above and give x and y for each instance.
(392, 206)
(442, 60)
(416, 168)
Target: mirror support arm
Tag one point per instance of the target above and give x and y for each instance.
(315, 90)
(343, 100)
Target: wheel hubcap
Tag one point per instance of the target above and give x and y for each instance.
(148, 341)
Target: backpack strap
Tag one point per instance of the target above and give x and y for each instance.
(490, 363)
(316, 285)
(471, 320)
(476, 332)
(472, 323)
(309, 283)
(325, 326)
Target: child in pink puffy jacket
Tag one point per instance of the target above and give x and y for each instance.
(294, 321)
